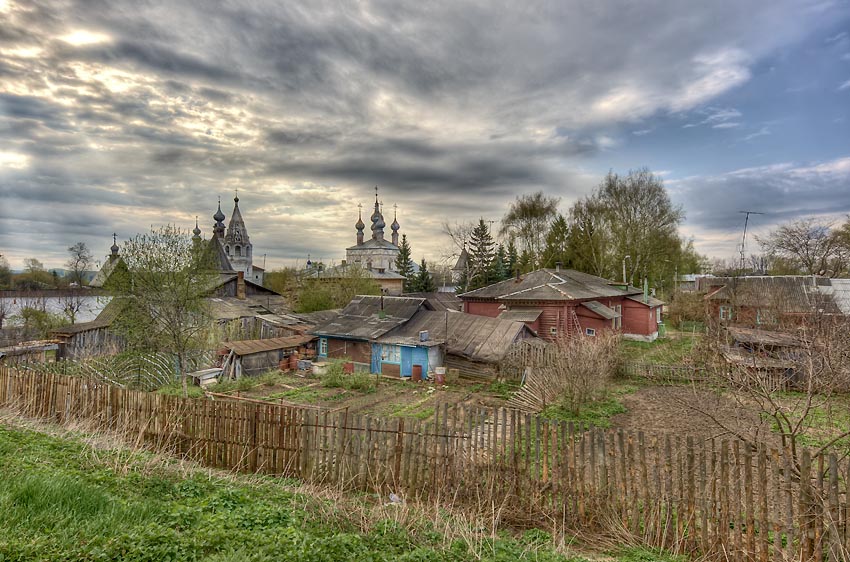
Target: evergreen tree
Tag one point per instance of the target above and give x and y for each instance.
(499, 267)
(526, 261)
(403, 263)
(481, 255)
(557, 243)
(423, 282)
(512, 258)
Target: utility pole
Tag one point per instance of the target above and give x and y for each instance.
(744, 238)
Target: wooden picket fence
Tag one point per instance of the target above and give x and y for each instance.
(718, 499)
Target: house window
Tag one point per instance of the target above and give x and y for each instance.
(590, 331)
(227, 250)
(553, 331)
(323, 347)
(765, 317)
(239, 250)
(726, 313)
(391, 354)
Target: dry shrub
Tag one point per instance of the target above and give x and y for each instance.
(579, 372)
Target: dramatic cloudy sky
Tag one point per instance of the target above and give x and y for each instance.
(115, 116)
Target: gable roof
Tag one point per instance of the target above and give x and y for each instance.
(551, 285)
(370, 317)
(439, 301)
(218, 256)
(101, 277)
(479, 338)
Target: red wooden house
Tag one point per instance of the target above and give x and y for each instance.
(564, 302)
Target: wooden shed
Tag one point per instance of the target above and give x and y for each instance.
(250, 357)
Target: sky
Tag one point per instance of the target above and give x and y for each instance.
(116, 116)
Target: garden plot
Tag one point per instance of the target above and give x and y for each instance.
(366, 394)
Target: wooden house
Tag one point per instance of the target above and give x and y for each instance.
(775, 301)
(351, 333)
(555, 303)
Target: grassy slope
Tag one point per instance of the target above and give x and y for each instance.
(63, 500)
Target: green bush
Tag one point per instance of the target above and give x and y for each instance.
(336, 377)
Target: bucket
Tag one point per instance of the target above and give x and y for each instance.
(440, 375)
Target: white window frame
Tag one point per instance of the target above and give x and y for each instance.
(725, 312)
(590, 331)
(553, 331)
(323, 347)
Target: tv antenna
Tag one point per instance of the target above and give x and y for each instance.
(744, 238)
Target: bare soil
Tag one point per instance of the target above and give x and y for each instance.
(687, 411)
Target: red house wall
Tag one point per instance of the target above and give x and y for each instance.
(638, 318)
(490, 309)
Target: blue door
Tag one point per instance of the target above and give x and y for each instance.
(420, 357)
(376, 358)
(406, 361)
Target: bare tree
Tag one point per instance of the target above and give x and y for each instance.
(528, 220)
(789, 379)
(576, 372)
(79, 262)
(807, 243)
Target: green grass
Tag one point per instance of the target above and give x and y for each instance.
(664, 351)
(646, 555)
(822, 424)
(597, 413)
(63, 501)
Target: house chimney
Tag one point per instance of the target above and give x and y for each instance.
(240, 285)
(517, 275)
(557, 266)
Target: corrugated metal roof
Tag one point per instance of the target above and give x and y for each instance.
(248, 347)
(479, 338)
(521, 315)
(600, 309)
(551, 285)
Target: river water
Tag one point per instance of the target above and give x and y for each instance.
(89, 307)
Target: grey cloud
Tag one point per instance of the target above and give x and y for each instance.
(781, 192)
(451, 107)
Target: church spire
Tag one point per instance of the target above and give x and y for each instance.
(114, 248)
(359, 225)
(219, 217)
(378, 223)
(196, 232)
(395, 226)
